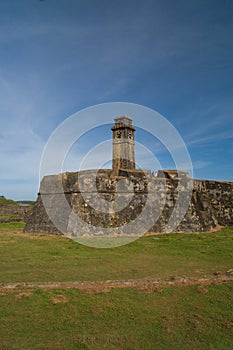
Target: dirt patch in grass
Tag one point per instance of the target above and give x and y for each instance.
(59, 299)
(148, 285)
(201, 289)
(22, 295)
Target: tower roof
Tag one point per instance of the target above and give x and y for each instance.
(124, 119)
(122, 122)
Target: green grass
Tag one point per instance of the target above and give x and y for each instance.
(9, 216)
(51, 258)
(12, 227)
(4, 201)
(176, 318)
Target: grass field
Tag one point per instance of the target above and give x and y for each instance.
(178, 317)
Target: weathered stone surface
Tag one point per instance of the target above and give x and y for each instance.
(85, 194)
(13, 212)
(219, 196)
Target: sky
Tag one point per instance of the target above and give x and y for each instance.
(58, 57)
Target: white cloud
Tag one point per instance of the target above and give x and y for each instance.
(200, 164)
(198, 141)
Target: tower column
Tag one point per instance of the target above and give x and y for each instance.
(123, 155)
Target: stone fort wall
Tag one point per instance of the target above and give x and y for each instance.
(209, 203)
(14, 212)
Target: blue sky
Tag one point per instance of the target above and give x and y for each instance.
(60, 56)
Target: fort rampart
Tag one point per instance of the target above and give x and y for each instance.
(207, 204)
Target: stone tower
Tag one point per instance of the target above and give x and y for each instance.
(123, 144)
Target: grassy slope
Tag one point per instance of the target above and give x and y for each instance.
(4, 201)
(47, 258)
(176, 318)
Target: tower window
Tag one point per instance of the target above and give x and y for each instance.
(118, 135)
(130, 135)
